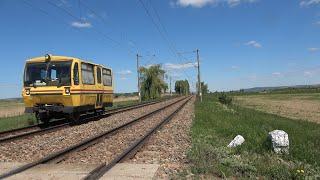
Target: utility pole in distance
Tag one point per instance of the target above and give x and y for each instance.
(170, 87)
(199, 80)
(138, 76)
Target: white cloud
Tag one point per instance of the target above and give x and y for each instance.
(233, 3)
(308, 74)
(317, 23)
(170, 66)
(309, 2)
(194, 3)
(124, 72)
(78, 24)
(235, 67)
(253, 44)
(313, 49)
(202, 3)
(149, 65)
(276, 74)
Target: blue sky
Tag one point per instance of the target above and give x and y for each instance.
(243, 43)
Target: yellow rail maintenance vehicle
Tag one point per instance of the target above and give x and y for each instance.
(61, 86)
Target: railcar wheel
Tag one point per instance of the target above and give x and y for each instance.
(42, 118)
(74, 117)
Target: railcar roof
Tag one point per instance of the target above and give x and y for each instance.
(61, 58)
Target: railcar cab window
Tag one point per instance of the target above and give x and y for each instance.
(107, 77)
(99, 75)
(87, 73)
(76, 74)
(47, 74)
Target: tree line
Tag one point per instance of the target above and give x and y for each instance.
(152, 83)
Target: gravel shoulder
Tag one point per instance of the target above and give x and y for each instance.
(169, 145)
(35, 147)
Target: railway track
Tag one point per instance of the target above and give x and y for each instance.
(19, 133)
(28, 128)
(100, 170)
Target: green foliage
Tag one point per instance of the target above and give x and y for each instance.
(215, 126)
(224, 99)
(182, 87)
(204, 88)
(152, 83)
(132, 94)
(14, 122)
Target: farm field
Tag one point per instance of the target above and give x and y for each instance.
(215, 125)
(11, 107)
(305, 106)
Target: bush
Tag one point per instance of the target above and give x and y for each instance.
(224, 99)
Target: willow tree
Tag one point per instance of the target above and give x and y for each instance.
(152, 83)
(182, 87)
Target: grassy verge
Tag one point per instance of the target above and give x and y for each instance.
(14, 122)
(216, 125)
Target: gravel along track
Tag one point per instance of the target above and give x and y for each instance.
(38, 146)
(112, 146)
(169, 145)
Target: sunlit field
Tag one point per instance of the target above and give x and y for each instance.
(305, 106)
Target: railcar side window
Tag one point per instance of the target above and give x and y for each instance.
(107, 77)
(76, 74)
(87, 73)
(99, 75)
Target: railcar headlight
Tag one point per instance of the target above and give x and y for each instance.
(67, 90)
(47, 57)
(27, 92)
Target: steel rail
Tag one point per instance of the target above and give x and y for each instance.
(22, 135)
(39, 125)
(49, 129)
(99, 171)
(18, 129)
(82, 144)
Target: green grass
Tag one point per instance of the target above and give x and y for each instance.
(216, 125)
(14, 122)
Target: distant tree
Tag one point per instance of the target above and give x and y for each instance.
(152, 83)
(204, 88)
(182, 87)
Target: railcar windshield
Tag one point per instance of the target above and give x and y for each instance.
(48, 74)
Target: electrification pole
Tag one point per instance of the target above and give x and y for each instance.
(199, 80)
(138, 76)
(170, 87)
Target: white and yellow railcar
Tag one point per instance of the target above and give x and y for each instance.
(61, 86)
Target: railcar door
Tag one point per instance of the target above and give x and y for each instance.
(99, 101)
